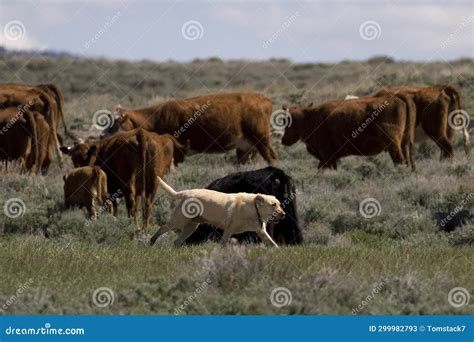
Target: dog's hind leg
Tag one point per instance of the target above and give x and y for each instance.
(186, 232)
(163, 229)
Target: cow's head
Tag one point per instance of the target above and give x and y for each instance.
(121, 122)
(81, 153)
(292, 130)
(179, 150)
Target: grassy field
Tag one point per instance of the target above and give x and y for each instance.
(405, 260)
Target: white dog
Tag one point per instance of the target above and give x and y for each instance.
(233, 213)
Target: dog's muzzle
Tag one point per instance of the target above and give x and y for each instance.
(279, 215)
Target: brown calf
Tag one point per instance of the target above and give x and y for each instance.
(84, 187)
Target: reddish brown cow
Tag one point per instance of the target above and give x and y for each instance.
(336, 129)
(433, 105)
(45, 99)
(18, 138)
(212, 124)
(123, 157)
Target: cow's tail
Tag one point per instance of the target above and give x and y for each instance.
(455, 97)
(35, 167)
(142, 151)
(168, 189)
(50, 115)
(59, 98)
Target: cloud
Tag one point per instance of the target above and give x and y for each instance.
(410, 30)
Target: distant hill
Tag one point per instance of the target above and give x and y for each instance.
(46, 53)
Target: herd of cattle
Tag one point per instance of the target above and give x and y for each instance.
(141, 145)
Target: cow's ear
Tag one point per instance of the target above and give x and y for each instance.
(187, 145)
(259, 200)
(92, 151)
(66, 149)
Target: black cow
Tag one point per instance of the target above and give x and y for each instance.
(269, 181)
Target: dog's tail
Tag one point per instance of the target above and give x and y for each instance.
(167, 188)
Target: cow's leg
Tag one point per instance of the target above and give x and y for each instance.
(129, 205)
(436, 127)
(243, 156)
(395, 152)
(57, 146)
(48, 157)
(447, 151)
(135, 212)
(91, 207)
(149, 199)
(132, 205)
(114, 207)
(266, 150)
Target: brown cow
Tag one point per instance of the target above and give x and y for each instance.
(85, 186)
(433, 105)
(41, 99)
(212, 124)
(123, 157)
(336, 129)
(18, 137)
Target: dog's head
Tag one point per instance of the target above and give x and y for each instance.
(269, 207)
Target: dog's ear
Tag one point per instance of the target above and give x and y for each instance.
(259, 200)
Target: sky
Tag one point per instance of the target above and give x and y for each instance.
(302, 31)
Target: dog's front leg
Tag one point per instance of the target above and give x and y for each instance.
(262, 233)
